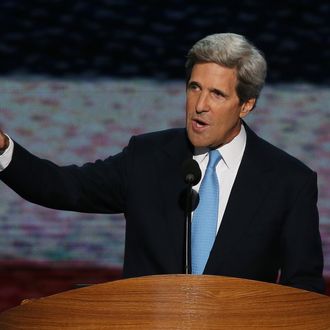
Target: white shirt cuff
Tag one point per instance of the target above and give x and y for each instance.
(7, 155)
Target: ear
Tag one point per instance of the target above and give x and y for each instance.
(247, 107)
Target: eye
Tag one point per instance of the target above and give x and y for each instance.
(217, 93)
(193, 86)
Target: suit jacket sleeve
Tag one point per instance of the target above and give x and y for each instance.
(301, 248)
(97, 187)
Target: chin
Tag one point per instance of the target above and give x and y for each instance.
(198, 142)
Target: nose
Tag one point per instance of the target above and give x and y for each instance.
(202, 103)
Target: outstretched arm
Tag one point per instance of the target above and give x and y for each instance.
(94, 187)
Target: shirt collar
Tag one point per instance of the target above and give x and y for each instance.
(231, 152)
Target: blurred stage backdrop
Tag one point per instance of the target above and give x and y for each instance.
(78, 78)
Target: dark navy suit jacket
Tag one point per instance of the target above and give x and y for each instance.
(270, 223)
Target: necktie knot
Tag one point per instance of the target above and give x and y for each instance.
(214, 158)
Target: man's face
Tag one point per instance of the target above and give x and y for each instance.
(213, 110)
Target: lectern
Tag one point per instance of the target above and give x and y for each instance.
(174, 302)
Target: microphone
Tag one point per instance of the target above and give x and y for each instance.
(191, 175)
(191, 172)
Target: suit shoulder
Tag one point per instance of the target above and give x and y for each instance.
(159, 138)
(166, 144)
(163, 134)
(274, 156)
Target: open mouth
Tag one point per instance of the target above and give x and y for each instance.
(198, 123)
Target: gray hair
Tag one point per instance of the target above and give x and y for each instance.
(233, 51)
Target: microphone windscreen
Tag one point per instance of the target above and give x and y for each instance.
(191, 172)
(194, 199)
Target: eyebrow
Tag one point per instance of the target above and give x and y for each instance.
(219, 91)
(212, 89)
(193, 82)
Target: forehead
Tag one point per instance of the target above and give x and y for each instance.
(214, 75)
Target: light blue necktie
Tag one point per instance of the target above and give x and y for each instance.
(204, 224)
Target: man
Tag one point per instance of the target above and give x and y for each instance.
(266, 219)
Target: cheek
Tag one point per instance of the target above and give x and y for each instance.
(189, 106)
(228, 114)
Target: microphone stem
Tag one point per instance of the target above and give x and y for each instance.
(187, 268)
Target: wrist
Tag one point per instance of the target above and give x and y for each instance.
(4, 144)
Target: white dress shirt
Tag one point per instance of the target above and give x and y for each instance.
(227, 168)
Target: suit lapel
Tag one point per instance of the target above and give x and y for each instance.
(250, 187)
(172, 187)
